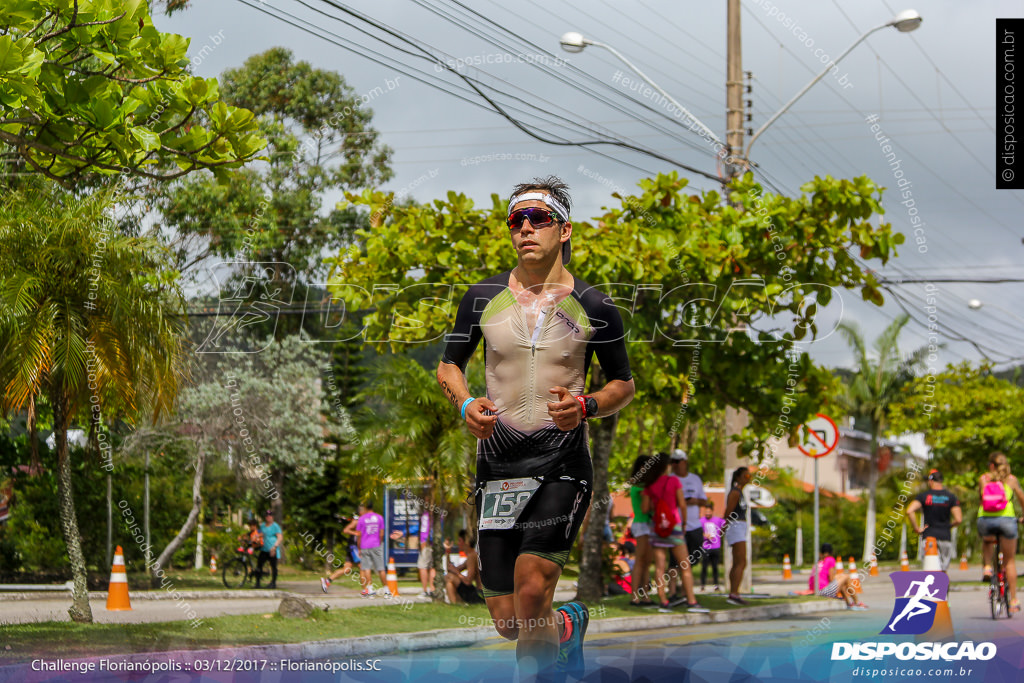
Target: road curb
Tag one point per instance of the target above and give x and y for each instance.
(384, 644)
(156, 595)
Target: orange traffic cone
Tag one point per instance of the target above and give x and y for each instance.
(874, 566)
(904, 562)
(931, 555)
(392, 578)
(963, 562)
(213, 563)
(854, 576)
(787, 570)
(117, 589)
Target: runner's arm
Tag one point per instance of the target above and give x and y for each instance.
(350, 528)
(453, 382)
(958, 516)
(912, 509)
(451, 371)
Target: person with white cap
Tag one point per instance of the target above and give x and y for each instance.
(693, 491)
(540, 326)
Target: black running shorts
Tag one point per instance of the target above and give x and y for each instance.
(546, 528)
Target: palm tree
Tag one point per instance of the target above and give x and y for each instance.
(875, 384)
(417, 435)
(89, 321)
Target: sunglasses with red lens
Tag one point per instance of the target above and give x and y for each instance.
(539, 218)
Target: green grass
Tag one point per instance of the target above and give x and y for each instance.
(65, 639)
(203, 579)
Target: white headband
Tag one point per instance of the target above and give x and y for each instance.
(552, 203)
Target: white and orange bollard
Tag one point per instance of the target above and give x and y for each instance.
(874, 566)
(963, 562)
(213, 563)
(787, 569)
(931, 555)
(117, 589)
(904, 562)
(854, 576)
(392, 578)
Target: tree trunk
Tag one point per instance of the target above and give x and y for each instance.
(79, 610)
(591, 583)
(869, 520)
(197, 502)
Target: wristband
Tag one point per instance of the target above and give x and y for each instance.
(464, 404)
(583, 405)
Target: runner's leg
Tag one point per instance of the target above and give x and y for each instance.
(539, 627)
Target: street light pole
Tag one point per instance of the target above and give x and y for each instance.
(575, 42)
(904, 22)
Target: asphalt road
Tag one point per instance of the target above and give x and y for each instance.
(777, 651)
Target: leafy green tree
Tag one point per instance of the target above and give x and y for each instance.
(711, 293)
(319, 140)
(92, 87)
(875, 385)
(260, 411)
(88, 318)
(965, 413)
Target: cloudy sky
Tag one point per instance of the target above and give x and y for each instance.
(932, 91)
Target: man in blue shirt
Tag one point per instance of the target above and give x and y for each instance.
(271, 549)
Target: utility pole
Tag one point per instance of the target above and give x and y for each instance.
(734, 92)
(735, 420)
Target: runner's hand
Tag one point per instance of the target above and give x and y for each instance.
(481, 425)
(566, 411)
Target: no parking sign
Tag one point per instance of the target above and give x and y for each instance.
(818, 437)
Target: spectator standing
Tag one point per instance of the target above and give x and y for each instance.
(693, 492)
(645, 473)
(736, 532)
(425, 561)
(370, 527)
(711, 527)
(271, 549)
(940, 510)
(666, 492)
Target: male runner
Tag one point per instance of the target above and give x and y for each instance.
(540, 327)
(941, 512)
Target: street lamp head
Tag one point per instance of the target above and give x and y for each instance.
(573, 42)
(906, 21)
(974, 304)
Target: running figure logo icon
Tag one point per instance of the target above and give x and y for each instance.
(918, 597)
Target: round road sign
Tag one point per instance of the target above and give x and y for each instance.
(818, 437)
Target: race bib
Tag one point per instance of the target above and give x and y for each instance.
(504, 500)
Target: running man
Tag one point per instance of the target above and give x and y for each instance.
(916, 605)
(541, 327)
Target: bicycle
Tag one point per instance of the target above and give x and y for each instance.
(240, 569)
(998, 596)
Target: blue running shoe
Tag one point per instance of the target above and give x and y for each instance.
(570, 653)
